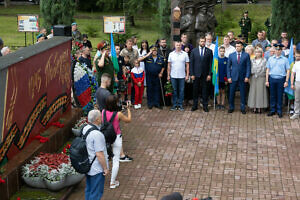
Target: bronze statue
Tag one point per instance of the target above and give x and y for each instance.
(198, 18)
(187, 21)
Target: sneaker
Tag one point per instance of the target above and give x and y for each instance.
(126, 159)
(114, 185)
(140, 105)
(173, 108)
(136, 107)
(180, 108)
(295, 116)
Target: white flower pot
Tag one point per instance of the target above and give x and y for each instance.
(76, 132)
(36, 182)
(55, 185)
(73, 179)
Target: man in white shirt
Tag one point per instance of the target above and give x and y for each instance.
(96, 147)
(228, 48)
(209, 44)
(296, 87)
(178, 72)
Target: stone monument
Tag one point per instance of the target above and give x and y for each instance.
(197, 18)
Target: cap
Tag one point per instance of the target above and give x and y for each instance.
(74, 23)
(85, 36)
(278, 46)
(246, 12)
(153, 48)
(188, 3)
(39, 36)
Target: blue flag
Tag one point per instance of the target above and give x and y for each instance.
(114, 54)
(215, 69)
(288, 90)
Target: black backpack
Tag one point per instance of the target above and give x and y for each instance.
(109, 133)
(78, 152)
(107, 128)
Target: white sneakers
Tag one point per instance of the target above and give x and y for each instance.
(114, 185)
(137, 106)
(294, 116)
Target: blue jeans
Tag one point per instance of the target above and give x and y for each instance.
(232, 87)
(94, 186)
(276, 93)
(178, 91)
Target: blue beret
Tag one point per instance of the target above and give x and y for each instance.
(74, 23)
(39, 36)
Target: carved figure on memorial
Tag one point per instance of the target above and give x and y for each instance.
(212, 20)
(201, 23)
(187, 21)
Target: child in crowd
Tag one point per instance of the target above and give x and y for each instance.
(222, 65)
(126, 77)
(138, 76)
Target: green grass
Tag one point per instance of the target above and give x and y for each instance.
(146, 28)
(258, 14)
(146, 25)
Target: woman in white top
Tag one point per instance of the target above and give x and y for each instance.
(143, 51)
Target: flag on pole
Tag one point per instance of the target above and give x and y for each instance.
(215, 70)
(114, 54)
(288, 90)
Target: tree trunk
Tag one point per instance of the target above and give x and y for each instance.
(6, 3)
(131, 19)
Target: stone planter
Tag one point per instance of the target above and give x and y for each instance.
(36, 182)
(76, 132)
(73, 179)
(55, 186)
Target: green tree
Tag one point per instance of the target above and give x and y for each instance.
(164, 17)
(285, 17)
(57, 12)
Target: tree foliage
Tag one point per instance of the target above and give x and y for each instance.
(285, 17)
(164, 17)
(57, 12)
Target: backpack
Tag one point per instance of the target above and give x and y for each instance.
(108, 131)
(78, 152)
(107, 128)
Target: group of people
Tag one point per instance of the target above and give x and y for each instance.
(255, 70)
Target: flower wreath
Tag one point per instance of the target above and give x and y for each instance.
(85, 86)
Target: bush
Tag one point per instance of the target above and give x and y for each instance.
(91, 30)
(225, 25)
(255, 28)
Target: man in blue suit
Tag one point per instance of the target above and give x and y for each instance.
(238, 73)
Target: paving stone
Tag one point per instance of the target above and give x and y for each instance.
(225, 156)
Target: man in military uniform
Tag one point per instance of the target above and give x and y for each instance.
(76, 35)
(245, 24)
(154, 67)
(268, 25)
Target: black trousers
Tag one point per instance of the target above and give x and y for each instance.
(200, 82)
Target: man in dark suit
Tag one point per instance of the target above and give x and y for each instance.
(238, 73)
(200, 71)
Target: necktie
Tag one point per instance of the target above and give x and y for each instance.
(201, 51)
(239, 58)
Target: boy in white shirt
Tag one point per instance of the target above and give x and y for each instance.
(296, 87)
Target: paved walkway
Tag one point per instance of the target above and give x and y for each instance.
(225, 156)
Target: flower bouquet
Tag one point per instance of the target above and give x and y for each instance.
(50, 171)
(79, 125)
(168, 93)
